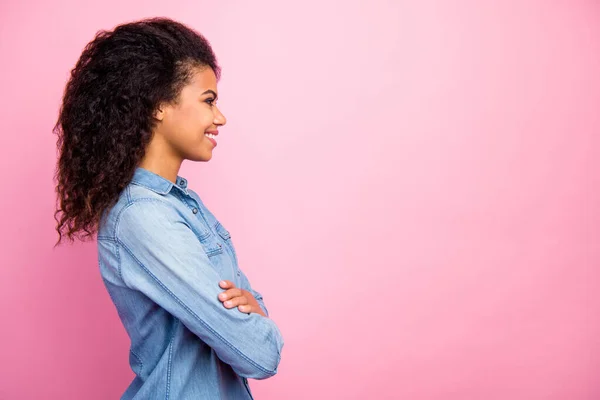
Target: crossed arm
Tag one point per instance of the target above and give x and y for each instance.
(167, 263)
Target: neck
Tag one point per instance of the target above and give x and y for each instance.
(165, 165)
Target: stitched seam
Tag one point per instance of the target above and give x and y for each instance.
(192, 313)
(214, 252)
(204, 237)
(119, 269)
(105, 238)
(122, 210)
(170, 363)
(182, 190)
(114, 241)
(139, 359)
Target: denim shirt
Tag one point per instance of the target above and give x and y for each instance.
(162, 254)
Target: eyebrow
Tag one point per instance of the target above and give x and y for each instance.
(212, 92)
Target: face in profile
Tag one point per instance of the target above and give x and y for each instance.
(187, 129)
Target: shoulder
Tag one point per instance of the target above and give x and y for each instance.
(137, 208)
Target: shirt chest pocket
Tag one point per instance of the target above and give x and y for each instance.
(225, 237)
(211, 243)
(219, 249)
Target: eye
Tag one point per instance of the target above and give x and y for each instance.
(211, 101)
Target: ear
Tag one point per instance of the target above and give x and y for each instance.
(159, 113)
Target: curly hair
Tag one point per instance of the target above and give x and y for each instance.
(106, 118)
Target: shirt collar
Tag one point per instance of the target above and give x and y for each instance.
(157, 183)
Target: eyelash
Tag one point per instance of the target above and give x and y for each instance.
(211, 102)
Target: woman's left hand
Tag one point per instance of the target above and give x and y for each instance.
(240, 298)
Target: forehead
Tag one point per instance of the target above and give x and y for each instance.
(202, 79)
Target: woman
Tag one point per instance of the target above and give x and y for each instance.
(141, 99)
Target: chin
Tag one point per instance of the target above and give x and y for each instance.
(200, 157)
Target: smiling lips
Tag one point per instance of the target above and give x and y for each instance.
(211, 135)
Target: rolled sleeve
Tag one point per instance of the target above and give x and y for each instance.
(163, 258)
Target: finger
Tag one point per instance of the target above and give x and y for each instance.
(235, 302)
(245, 308)
(226, 284)
(230, 294)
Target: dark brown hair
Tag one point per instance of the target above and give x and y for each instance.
(105, 121)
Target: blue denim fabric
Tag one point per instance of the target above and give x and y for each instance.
(162, 254)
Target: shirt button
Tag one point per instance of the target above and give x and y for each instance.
(195, 211)
(181, 183)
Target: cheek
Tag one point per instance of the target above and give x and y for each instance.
(189, 122)
(206, 117)
(197, 118)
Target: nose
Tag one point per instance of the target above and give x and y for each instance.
(219, 117)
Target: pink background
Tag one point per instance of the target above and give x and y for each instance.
(413, 185)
